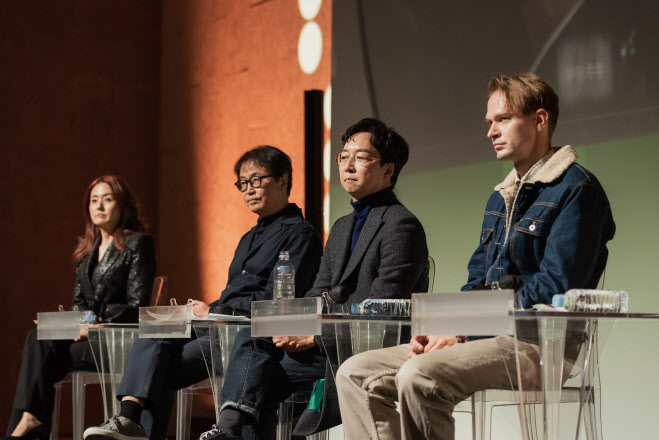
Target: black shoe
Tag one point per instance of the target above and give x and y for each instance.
(216, 433)
(36, 433)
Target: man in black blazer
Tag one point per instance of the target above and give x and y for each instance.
(378, 251)
(157, 368)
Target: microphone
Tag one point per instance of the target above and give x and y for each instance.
(509, 281)
(223, 309)
(226, 309)
(339, 294)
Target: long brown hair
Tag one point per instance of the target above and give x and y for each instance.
(130, 220)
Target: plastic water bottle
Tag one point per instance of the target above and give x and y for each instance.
(584, 300)
(284, 278)
(388, 307)
(87, 317)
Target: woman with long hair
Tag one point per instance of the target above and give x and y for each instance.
(116, 263)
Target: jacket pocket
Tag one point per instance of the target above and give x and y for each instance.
(528, 241)
(486, 242)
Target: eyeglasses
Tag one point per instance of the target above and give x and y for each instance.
(254, 181)
(360, 161)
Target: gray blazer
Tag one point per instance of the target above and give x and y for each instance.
(389, 261)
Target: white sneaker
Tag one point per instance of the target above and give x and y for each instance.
(116, 428)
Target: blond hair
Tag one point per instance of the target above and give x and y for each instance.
(525, 93)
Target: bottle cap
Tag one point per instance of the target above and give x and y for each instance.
(89, 318)
(558, 300)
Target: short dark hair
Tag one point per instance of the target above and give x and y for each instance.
(271, 158)
(391, 145)
(525, 93)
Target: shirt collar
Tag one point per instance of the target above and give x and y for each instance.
(535, 168)
(267, 221)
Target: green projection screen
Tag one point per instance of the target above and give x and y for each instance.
(423, 67)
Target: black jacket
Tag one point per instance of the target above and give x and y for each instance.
(250, 272)
(123, 281)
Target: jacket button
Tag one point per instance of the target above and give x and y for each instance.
(243, 272)
(228, 285)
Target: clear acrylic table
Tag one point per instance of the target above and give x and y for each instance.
(111, 346)
(570, 344)
(219, 335)
(354, 334)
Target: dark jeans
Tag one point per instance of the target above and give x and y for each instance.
(44, 364)
(260, 376)
(155, 370)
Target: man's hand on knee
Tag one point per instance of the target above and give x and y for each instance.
(294, 344)
(426, 344)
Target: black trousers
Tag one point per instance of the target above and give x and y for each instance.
(44, 364)
(156, 368)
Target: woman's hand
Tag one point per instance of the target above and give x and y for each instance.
(294, 344)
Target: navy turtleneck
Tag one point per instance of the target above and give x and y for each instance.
(362, 208)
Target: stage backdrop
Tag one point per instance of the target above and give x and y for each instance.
(167, 94)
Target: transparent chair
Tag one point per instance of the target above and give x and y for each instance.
(159, 294)
(295, 317)
(184, 398)
(431, 274)
(481, 406)
(287, 415)
(542, 406)
(78, 380)
(220, 339)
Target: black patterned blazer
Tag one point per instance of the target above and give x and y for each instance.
(122, 282)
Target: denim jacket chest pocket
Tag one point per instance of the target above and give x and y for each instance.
(491, 236)
(528, 237)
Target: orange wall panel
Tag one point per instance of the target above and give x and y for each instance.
(79, 97)
(167, 94)
(230, 81)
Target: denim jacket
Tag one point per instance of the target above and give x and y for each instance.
(560, 224)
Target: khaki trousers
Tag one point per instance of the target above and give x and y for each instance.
(428, 386)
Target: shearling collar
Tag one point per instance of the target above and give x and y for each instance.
(552, 170)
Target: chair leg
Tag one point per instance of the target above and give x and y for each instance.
(322, 435)
(478, 415)
(54, 424)
(284, 428)
(592, 422)
(78, 397)
(183, 415)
